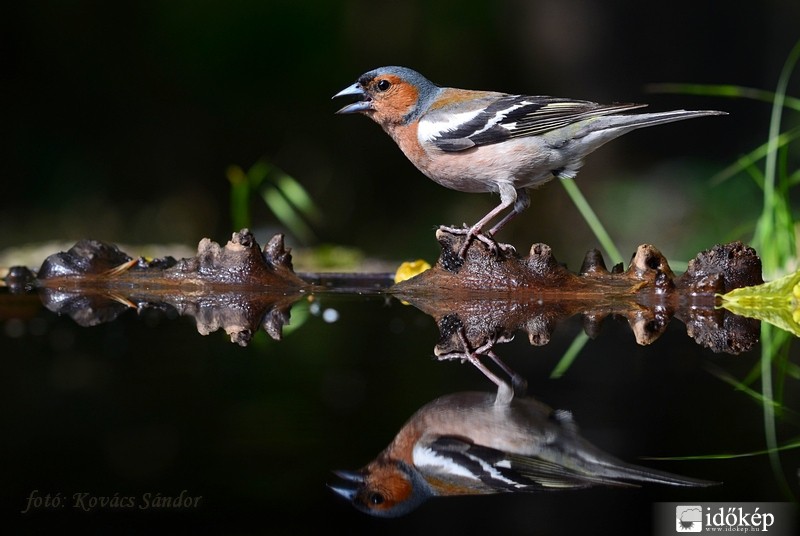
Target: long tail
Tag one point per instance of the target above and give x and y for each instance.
(635, 473)
(605, 468)
(602, 129)
(657, 118)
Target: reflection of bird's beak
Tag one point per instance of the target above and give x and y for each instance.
(363, 105)
(349, 482)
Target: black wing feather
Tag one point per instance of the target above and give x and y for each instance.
(519, 473)
(513, 116)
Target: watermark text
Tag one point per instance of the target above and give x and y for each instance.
(85, 501)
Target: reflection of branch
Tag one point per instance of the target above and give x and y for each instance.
(487, 298)
(238, 287)
(240, 315)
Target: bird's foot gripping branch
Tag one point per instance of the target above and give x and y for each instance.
(471, 234)
(499, 270)
(486, 299)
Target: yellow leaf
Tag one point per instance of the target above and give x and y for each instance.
(409, 269)
(775, 302)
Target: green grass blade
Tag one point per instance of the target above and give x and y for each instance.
(794, 444)
(781, 251)
(770, 432)
(287, 215)
(722, 90)
(742, 386)
(258, 173)
(592, 220)
(569, 356)
(298, 197)
(239, 197)
(749, 159)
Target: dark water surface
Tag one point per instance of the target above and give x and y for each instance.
(144, 408)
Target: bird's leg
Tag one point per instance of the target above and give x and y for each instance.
(518, 384)
(522, 202)
(508, 197)
(476, 231)
(473, 357)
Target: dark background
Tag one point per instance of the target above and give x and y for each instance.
(121, 119)
(146, 405)
(130, 113)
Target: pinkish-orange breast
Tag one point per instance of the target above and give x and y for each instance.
(406, 138)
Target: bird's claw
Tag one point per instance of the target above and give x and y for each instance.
(494, 246)
(473, 355)
(472, 233)
(465, 230)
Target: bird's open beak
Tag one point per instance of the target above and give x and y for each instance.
(363, 105)
(348, 484)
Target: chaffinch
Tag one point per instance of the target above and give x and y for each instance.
(476, 443)
(484, 141)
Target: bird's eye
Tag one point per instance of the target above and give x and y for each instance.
(383, 85)
(376, 499)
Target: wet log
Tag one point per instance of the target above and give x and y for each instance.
(240, 264)
(477, 302)
(489, 296)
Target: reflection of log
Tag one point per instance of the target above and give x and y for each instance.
(237, 287)
(478, 302)
(490, 297)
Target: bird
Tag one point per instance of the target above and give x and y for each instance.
(474, 443)
(488, 141)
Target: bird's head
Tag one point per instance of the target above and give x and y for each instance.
(390, 95)
(383, 488)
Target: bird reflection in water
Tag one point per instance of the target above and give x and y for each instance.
(474, 443)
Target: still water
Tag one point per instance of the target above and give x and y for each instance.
(142, 425)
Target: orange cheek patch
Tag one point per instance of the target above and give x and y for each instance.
(398, 488)
(391, 483)
(405, 96)
(395, 103)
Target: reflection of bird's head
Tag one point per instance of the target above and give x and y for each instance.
(384, 488)
(476, 443)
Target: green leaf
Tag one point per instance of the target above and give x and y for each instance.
(775, 302)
